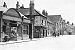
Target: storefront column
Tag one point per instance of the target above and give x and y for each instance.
(1, 12)
(0, 29)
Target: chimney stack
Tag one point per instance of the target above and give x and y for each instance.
(4, 5)
(17, 5)
(31, 7)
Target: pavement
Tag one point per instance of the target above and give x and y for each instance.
(26, 40)
(19, 41)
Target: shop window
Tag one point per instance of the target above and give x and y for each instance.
(25, 29)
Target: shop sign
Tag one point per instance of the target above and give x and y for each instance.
(11, 18)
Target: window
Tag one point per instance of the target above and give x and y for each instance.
(42, 22)
(25, 29)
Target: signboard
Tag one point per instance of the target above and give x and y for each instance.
(15, 19)
(11, 18)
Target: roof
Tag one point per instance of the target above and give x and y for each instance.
(54, 18)
(26, 11)
(13, 12)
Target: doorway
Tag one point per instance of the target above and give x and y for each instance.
(43, 33)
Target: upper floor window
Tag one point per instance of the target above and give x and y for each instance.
(42, 22)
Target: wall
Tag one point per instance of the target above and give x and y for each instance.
(49, 29)
(43, 21)
(37, 21)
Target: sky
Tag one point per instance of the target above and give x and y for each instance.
(65, 8)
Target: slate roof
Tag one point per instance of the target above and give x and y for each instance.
(26, 11)
(13, 12)
(54, 18)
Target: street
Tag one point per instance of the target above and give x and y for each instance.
(65, 42)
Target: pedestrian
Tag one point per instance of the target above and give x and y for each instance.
(5, 39)
(58, 34)
(54, 34)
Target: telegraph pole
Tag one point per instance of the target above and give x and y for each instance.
(32, 18)
(32, 23)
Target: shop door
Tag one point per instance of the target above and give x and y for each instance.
(46, 33)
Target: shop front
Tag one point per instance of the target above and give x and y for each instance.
(40, 32)
(13, 28)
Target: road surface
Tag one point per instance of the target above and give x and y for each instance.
(66, 42)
